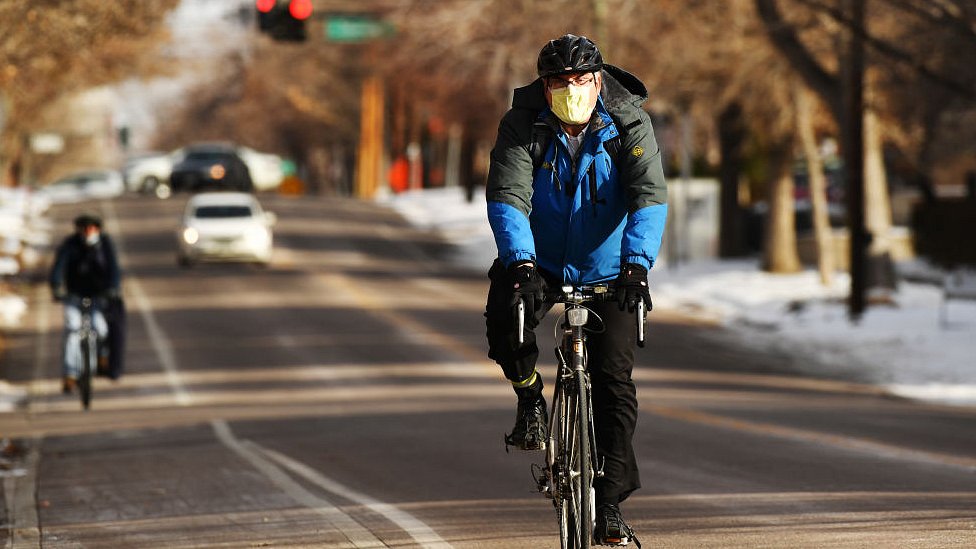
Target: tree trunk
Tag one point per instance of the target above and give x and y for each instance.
(877, 209)
(731, 135)
(780, 254)
(12, 151)
(877, 200)
(817, 183)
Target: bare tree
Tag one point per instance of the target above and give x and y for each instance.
(50, 49)
(817, 182)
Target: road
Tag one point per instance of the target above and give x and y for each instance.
(342, 398)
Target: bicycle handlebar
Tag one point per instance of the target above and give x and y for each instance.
(578, 295)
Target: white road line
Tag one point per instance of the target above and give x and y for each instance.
(160, 343)
(157, 338)
(420, 532)
(341, 522)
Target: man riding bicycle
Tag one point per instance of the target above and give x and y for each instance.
(576, 195)
(85, 267)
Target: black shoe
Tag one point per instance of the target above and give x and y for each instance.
(610, 527)
(531, 425)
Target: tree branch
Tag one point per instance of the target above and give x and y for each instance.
(891, 51)
(785, 39)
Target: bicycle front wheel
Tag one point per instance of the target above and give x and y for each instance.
(89, 356)
(584, 463)
(573, 466)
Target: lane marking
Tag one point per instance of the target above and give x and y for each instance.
(157, 337)
(418, 530)
(160, 343)
(341, 522)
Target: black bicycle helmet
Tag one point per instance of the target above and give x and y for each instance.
(88, 220)
(568, 54)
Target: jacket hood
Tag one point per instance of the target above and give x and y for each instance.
(621, 91)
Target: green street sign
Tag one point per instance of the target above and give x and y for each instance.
(356, 28)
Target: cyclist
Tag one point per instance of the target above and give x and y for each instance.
(85, 267)
(576, 195)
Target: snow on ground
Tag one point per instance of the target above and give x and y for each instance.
(905, 346)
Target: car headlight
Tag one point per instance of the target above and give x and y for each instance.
(190, 235)
(257, 236)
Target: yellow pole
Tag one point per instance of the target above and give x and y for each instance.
(370, 150)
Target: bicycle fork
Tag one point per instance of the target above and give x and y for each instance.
(544, 476)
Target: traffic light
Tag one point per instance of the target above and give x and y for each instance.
(284, 19)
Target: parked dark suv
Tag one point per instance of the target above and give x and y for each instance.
(208, 167)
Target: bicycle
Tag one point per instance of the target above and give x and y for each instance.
(88, 338)
(571, 462)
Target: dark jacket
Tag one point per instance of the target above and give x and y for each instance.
(86, 271)
(581, 219)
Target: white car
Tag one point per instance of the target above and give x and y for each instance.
(265, 168)
(225, 226)
(149, 173)
(87, 185)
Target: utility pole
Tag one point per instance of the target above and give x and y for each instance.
(854, 159)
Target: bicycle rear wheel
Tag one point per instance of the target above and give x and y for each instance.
(89, 356)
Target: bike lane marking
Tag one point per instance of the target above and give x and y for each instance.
(414, 527)
(157, 337)
(356, 533)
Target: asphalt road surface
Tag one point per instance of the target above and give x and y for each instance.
(342, 398)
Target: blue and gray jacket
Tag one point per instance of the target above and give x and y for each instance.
(582, 219)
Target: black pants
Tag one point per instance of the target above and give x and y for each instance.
(611, 363)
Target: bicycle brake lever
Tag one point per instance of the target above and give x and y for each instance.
(520, 320)
(640, 323)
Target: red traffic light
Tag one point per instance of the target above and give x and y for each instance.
(265, 6)
(300, 9)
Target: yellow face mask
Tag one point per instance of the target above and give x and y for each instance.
(573, 104)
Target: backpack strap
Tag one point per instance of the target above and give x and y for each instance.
(613, 146)
(541, 138)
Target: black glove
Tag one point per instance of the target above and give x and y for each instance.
(631, 286)
(528, 286)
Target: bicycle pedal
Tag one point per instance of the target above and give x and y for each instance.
(612, 542)
(541, 478)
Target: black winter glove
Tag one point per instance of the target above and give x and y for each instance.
(631, 286)
(528, 286)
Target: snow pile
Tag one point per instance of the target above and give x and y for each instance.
(920, 346)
